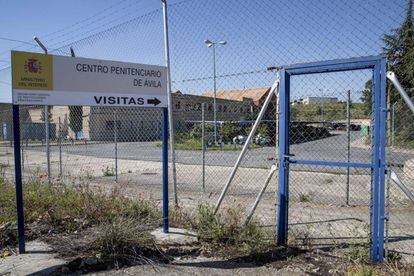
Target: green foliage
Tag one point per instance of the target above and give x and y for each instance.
(399, 46)
(364, 270)
(304, 197)
(123, 240)
(229, 230)
(196, 131)
(76, 118)
(358, 254)
(327, 112)
(66, 209)
(229, 131)
(262, 130)
(108, 171)
(366, 98)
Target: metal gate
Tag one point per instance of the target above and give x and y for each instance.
(375, 164)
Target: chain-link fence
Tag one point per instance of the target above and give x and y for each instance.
(223, 59)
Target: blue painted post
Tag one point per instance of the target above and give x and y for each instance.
(165, 170)
(283, 193)
(383, 131)
(375, 162)
(18, 179)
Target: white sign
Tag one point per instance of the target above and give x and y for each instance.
(40, 79)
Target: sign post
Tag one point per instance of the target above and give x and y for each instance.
(40, 79)
(18, 179)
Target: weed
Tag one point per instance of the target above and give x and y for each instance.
(304, 197)
(358, 254)
(394, 257)
(3, 168)
(329, 181)
(67, 209)
(123, 241)
(89, 175)
(364, 270)
(108, 171)
(229, 230)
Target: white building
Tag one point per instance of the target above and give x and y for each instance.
(319, 100)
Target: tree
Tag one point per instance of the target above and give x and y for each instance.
(197, 129)
(366, 97)
(76, 118)
(229, 131)
(399, 47)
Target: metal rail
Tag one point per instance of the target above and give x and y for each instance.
(259, 196)
(401, 185)
(393, 78)
(274, 88)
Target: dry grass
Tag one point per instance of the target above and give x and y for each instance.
(81, 221)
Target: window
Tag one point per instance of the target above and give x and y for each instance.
(225, 108)
(210, 107)
(220, 107)
(178, 105)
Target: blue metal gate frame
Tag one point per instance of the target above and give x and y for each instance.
(378, 138)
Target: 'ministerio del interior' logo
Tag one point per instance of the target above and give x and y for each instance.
(32, 65)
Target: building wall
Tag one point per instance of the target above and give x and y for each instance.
(127, 124)
(187, 107)
(137, 124)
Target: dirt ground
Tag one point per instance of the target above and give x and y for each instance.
(41, 260)
(318, 213)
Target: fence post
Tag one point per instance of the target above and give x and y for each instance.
(18, 179)
(203, 147)
(165, 170)
(116, 144)
(47, 130)
(283, 179)
(60, 148)
(170, 103)
(383, 163)
(348, 134)
(22, 150)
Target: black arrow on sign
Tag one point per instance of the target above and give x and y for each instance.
(154, 101)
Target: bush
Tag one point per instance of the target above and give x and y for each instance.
(67, 209)
(124, 241)
(262, 130)
(195, 133)
(229, 230)
(229, 131)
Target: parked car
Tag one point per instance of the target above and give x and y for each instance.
(261, 140)
(239, 139)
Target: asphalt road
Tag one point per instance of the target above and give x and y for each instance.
(333, 148)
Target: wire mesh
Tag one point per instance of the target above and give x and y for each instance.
(218, 92)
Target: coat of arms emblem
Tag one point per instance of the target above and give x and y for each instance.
(32, 65)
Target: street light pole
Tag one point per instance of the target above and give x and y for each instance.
(215, 94)
(213, 45)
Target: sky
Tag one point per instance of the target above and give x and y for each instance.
(259, 34)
